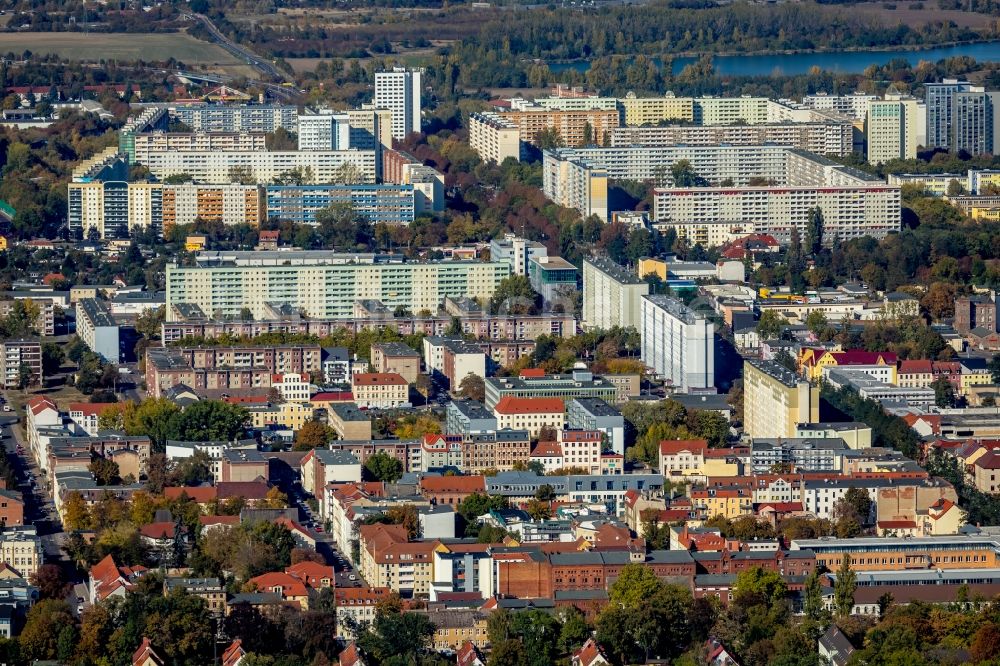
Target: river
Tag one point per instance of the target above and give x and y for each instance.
(789, 64)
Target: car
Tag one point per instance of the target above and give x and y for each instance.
(6, 408)
(319, 528)
(352, 577)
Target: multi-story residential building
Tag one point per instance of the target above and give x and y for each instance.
(11, 508)
(976, 312)
(582, 448)
(19, 353)
(324, 131)
(159, 142)
(380, 390)
(114, 209)
(494, 137)
(348, 421)
(940, 100)
(638, 111)
(516, 251)
(98, 329)
(575, 127)
(321, 467)
(854, 106)
(464, 417)
(891, 129)
(497, 449)
(388, 559)
(594, 414)
(428, 184)
(797, 455)
(324, 284)
(459, 359)
(263, 167)
(236, 117)
(276, 359)
(45, 322)
(21, 549)
(209, 589)
(848, 212)
(531, 414)
(577, 177)
(396, 357)
(973, 121)
(776, 400)
(440, 452)
(612, 295)
(356, 607)
(677, 343)
(399, 91)
(824, 138)
(609, 490)
(507, 337)
(388, 204)
(578, 384)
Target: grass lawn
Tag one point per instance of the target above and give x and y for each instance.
(117, 46)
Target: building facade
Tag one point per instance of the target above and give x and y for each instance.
(678, 344)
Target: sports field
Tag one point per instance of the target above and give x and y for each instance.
(117, 46)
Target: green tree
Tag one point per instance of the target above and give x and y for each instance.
(682, 174)
(105, 471)
(816, 322)
(634, 584)
(473, 387)
(209, 420)
(514, 295)
(149, 322)
(814, 231)
(53, 357)
(383, 467)
(844, 587)
(770, 325)
(944, 392)
(762, 584)
(397, 638)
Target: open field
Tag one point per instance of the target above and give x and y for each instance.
(407, 57)
(120, 46)
(918, 17)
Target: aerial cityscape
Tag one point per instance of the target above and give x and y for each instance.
(428, 332)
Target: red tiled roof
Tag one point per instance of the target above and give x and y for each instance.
(453, 484)
(379, 379)
(146, 653)
(251, 490)
(312, 573)
(589, 654)
(164, 530)
(332, 396)
(351, 656)
(896, 524)
(468, 655)
(916, 366)
(547, 450)
(200, 494)
(671, 447)
(90, 408)
(990, 460)
(513, 405)
(39, 403)
(234, 652)
(290, 585)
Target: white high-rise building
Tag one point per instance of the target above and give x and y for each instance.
(324, 131)
(891, 128)
(611, 294)
(677, 343)
(399, 91)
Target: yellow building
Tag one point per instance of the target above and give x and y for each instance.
(652, 110)
(985, 213)
(729, 502)
(195, 243)
(292, 415)
(649, 265)
(776, 400)
(812, 361)
(3, 243)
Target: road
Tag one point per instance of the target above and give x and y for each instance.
(260, 64)
(39, 510)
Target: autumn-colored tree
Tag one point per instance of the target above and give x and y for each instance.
(76, 513)
(313, 435)
(275, 499)
(985, 643)
(414, 427)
